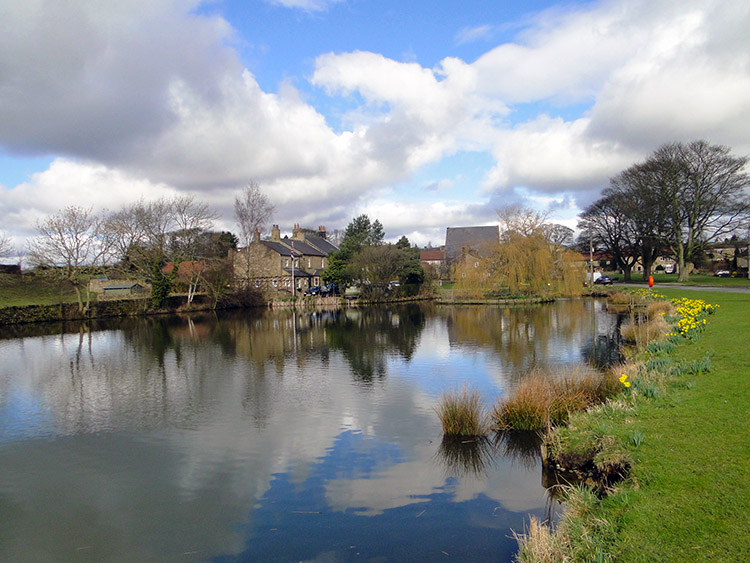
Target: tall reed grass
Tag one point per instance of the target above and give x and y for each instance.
(643, 332)
(462, 413)
(542, 400)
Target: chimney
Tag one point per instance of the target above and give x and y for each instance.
(275, 233)
(322, 232)
(297, 233)
(256, 235)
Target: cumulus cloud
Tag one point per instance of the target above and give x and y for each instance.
(153, 95)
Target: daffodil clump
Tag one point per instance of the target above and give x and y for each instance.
(624, 380)
(647, 293)
(691, 316)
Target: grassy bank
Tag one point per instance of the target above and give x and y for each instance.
(694, 279)
(692, 470)
(687, 440)
(30, 289)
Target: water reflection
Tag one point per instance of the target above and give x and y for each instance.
(466, 457)
(232, 436)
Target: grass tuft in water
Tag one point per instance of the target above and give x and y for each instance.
(462, 413)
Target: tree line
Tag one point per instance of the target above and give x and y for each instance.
(680, 199)
(171, 240)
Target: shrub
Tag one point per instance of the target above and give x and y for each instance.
(462, 413)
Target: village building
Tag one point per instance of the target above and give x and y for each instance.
(476, 240)
(278, 264)
(465, 246)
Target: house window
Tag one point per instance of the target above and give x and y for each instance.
(308, 262)
(257, 283)
(287, 282)
(286, 262)
(476, 264)
(275, 282)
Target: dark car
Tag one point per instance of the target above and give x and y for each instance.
(329, 290)
(603, 280)
(314, 290)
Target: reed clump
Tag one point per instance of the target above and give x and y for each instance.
(643, 332)
(659, 307)
(542, 400)
(462, 413)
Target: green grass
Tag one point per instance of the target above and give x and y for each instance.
(693, 501)
(30, 289)
(687, 497)
(694, 279)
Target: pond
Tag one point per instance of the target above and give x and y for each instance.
(274, 435)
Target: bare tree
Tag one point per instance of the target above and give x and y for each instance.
(252, 211)
(148, 235)
(72, 243)
(6, 246)
(559, 235)
(521, 220)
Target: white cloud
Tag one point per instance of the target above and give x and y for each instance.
(472, 34)
(152, 93)
(306, 5)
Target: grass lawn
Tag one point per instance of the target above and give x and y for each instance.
(30, 289)
(689, 497)
(694, 279)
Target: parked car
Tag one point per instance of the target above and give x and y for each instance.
(722, 273)
(603, 280)
(314, 290)
(329, 290)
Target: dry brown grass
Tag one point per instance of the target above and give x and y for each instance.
(620, 298)
(462, 413)
(539, 544)
(659, 308)
(542, 400)
(642, 333)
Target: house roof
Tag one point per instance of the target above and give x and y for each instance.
(432, 255)
(277, 247)
(321, 244)
(474, 238)
(186, 268)
(303, 248)
(128, 285)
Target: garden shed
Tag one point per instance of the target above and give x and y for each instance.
(126, 288)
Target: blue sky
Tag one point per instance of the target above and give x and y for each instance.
(425, 115)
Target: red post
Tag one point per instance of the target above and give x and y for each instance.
(651, 281)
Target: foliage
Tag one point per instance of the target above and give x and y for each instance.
(524, 262)
(682, 197)
(364, 257)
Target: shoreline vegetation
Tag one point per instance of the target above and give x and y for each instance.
(654, 452)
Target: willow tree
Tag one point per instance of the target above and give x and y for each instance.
(528, 259)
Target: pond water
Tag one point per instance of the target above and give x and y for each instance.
(274, 436)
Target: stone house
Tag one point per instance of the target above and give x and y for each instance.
(459, 240)
(274, 264)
